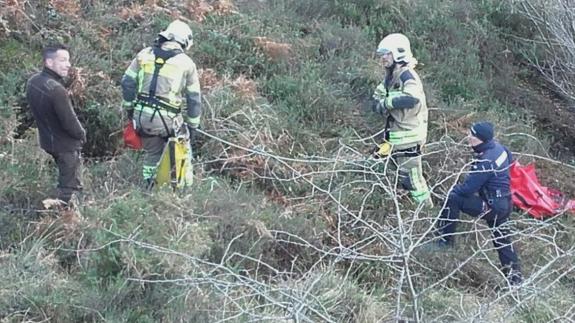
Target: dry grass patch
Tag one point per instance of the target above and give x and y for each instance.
(70, 8)
(200, 9)
(135, 12)
(245, 88)
(12, 14)
(77, 88)
(274, 50)
(209, 80)
(224, 7)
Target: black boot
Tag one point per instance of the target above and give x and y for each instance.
(149, 185)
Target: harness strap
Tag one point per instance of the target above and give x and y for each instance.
(146, 101)
(151, 100)
(172, 154)
(161, 56)
(408, 152)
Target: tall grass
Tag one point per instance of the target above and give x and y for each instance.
(288, 220)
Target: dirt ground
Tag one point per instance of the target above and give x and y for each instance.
(556, 118)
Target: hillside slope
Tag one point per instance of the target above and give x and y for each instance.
(289, 221)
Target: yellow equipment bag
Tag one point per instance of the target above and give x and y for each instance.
(174, 164)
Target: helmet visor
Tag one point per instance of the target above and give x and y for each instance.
(382, 51)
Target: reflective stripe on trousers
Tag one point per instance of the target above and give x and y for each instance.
(407, 136)
(411, 177)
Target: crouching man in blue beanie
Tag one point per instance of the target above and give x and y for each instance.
(485, 193)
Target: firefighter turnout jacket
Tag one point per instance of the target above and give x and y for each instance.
(176, 89)
(404, 105)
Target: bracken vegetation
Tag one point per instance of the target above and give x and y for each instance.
(289, 220)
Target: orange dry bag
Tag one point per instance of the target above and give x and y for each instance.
(529, 195)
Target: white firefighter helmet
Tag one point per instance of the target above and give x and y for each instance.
(398, 45)
(180, 32)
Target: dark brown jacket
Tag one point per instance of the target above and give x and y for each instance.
(58, 127)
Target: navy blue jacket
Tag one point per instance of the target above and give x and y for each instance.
(489, 171)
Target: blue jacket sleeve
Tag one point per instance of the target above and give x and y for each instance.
(404, 102)
(481, 172)
(129, 84)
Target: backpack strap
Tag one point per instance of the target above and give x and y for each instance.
(160, 58)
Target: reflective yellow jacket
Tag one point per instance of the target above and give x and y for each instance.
(177, 82)
(401, 94)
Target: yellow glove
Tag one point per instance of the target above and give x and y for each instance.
(382, 150)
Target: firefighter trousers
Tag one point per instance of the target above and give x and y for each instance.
(410, 173)
(154, 131)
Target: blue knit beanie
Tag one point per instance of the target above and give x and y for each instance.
(482, 130)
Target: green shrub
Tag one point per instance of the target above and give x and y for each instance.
(252, 230)
(103, 130)
(29, 174)
(33, 290)
(234, 51)
(330, 296)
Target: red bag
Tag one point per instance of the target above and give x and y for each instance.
(529, 195)
(131, 138)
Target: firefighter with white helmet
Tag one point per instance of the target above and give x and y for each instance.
(398, 46)
(161, 91)
(400, 99)
(180, 32)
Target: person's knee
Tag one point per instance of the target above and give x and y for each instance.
(498, 222)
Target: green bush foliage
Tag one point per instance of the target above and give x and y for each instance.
(288, 219)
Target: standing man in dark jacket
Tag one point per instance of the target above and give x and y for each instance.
(60, 133)
(485, 193)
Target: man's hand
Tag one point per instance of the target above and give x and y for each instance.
(128, 106)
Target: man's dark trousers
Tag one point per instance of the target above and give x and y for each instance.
(497, 212)
(69, 172)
